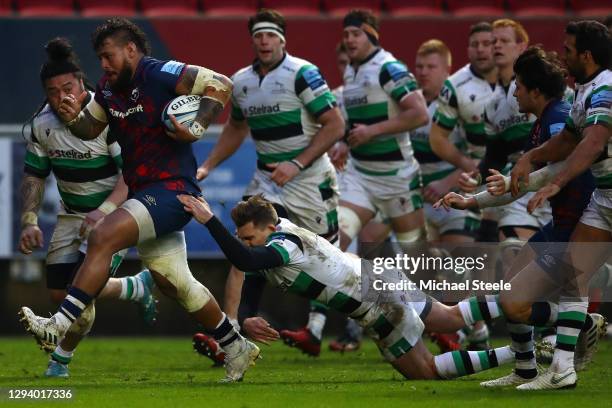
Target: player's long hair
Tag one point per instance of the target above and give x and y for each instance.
(61, 59)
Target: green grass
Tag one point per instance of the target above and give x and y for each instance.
(147, 372)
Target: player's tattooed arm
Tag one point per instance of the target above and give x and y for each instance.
(86, 126)
(215, 89)
(32, 189)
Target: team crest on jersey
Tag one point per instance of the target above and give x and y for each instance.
(135, 95)
(106, 93)
(150, 200)
(245, 90)
(278, 88)
(473, 98)
(47, 132)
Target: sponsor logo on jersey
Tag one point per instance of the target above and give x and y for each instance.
(123, 115)
(261, 110)
(602, 99)
(69, 154)
(397, 71)
(172, 67)
(513, 120)
(355, 101)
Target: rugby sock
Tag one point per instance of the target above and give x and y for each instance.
(478, 308)
(132, 288)
(572, 316)
(522, 345)
(543, 314)
(71, 308)
(227, 337)
(460, 363)
(316, 322)
(62, 356)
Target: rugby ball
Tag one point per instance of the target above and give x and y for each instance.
(184, 108)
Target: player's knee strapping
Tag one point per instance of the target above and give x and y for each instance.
(167, 256)
(349, 222)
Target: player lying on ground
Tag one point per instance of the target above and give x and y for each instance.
(89, 180)
(299, 261)
(157, 165)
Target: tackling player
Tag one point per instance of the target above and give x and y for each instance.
(89, 181)
(157, 166)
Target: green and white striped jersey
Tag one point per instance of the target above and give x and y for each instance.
(462, 101)
(281, 107)
(86, 170)
(371, 95)
(502, 117)
(314, 268)
(432, 166)
(593, 106)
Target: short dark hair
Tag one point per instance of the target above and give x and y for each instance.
(257, 210)
(268, 15)
(537, 69)
(122, 30)
(594, 37)
(364, 15)
(608, 22)
(481, 27)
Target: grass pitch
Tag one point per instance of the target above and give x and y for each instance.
(151, 372)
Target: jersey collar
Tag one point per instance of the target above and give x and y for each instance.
(256, 64)
(592, 77)
(370, 57)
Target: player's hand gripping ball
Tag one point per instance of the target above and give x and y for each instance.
(184, 108)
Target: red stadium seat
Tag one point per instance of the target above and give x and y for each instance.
(419, 8)
(55, 8)
(527, 8)
(294, 7)
(103, 8)
(230, 7)
(5, 7)
(491, 8)
(175, 8)
(341, 7)
(592, 8)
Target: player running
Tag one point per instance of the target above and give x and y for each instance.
(301, 262)
(285, 104)
(157, 165)
(89, 181)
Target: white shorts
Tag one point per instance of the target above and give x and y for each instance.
(598, 213)
(392, 196)
(311, 198)
(515, 214)
(453, 221)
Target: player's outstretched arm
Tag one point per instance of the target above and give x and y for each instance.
(242, 257)
(233, 134)
(215, 89)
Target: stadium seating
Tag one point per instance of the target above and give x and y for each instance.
(420, 8)
(527, 8)
(221, 8)
(294, 7)
(164, 8)
(592, 8)
(103, 8)
(341, 7)
(5, 7)
(55, 8)
(491, 8)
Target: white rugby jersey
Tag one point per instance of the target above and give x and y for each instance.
(86, 170)
(432, 166)
(371, 95)
(314, 268)
(462, 101)
(593, 105)
(281, 107)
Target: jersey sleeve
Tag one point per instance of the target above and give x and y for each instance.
(447, 113)
(396, 80)
(37, 162)
(598, 108)
(311, 88)
(99, 96)
(288, 246)
(167, 73)
(236, 112)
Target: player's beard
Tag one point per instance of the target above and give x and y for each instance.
(124, 78)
